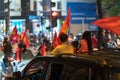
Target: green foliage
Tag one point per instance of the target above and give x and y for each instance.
(111, 7)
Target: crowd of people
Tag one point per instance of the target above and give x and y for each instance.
(12, 56)
(87, 42)
(68, 45)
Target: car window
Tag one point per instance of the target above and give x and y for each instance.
(58, 71)
(54, 71)
(36, 71)
(35, 67)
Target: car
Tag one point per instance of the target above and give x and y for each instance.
(98, 65)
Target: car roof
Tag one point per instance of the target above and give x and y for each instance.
(109, 57)
(109, 60)
(88, 59)
(101, 58)
(69, 59)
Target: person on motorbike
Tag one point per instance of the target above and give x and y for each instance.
(7, 67)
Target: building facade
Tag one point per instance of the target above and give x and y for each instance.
(35, 15)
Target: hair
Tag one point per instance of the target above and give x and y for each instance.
(87, 35)
(63, 37)
(22, 45)
(7, 46)
(75, 44)
(5, 38)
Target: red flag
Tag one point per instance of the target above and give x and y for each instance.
(43, 50)
(55, 40)
(111, 23)
(66, 24)
(25, 39)
(18, 54)
(14, 35)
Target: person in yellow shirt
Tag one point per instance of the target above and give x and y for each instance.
(64, 47)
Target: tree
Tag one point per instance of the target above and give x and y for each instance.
(107, 8)
(111, 7)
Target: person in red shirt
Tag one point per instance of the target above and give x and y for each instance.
(21, 48)
(94, 41)
(85, 43)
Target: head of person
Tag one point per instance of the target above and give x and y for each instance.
(71, 35)
(103, 33)
(5, 39)
(75, 44)
(86, 35)
(93, 35)
(22, 46)
(63, 37)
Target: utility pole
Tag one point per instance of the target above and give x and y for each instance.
(51, 26)
(7, 17)
(100, 15)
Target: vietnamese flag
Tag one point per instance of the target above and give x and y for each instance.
(14, 35)
(25, 39)
(43, 50)
(110, 23)
(14, 32)
(55, 40)
(66, 25)
(23, 34)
